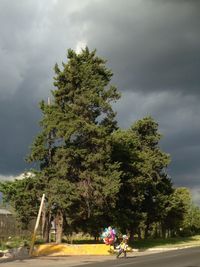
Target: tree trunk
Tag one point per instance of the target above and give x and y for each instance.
(146, 233)
(156, 235)
(46, 227)
(139, 234)
(131, 233)
(59, 226)
(163, 232)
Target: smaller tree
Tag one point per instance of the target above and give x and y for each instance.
(144, 183)
(176, 211)
(23, 195)
(193, 219)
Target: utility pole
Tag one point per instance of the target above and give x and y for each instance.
(36, 225)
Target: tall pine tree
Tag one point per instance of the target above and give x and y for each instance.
(74, 145)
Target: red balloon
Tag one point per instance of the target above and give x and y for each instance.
(108, 241)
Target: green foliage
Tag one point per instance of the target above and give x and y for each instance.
(92, 173)
(145, 185)
(192, 220)
(74, 145)
(190, 223)
(23, 196)
(177, 210)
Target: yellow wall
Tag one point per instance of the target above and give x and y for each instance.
(66, 249)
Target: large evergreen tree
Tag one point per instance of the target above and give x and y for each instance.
(74, 145)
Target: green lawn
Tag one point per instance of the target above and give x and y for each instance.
(149, 243)
(167, 243)
(138, 244)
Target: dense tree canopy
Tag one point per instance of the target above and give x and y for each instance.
(93, 173)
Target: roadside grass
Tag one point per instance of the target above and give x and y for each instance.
(81, 238)
(15, 242)
(138, 244)
(167, 243)
(141, 244)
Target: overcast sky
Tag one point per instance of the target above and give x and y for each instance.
(152, 47)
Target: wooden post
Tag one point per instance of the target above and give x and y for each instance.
(36, 225)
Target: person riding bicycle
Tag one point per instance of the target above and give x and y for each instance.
(123, 246)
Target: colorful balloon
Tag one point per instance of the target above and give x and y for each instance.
(108, 236)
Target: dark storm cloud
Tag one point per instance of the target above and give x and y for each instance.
(153, 48)
(153, 45)
(178, 118)
(28, 47)
(18, 125)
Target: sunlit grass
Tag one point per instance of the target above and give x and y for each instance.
(87, 239)
(14, 242)
(167, 243)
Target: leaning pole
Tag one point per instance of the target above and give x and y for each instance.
(36, 225)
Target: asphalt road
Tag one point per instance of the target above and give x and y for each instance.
(176, 258)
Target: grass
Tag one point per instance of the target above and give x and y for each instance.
(13, 242)
(137, 244)
(143, 244)
(167, 243)
(140, 244)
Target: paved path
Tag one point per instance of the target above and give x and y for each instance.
(176, 258)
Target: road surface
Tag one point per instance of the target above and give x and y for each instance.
(176, 258)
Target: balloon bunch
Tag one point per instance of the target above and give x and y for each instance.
(109, 235)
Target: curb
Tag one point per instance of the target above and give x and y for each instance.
(171, 248)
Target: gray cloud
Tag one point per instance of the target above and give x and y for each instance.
(154, 45)
(153, 48)
(28, 46)
(177, 115)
